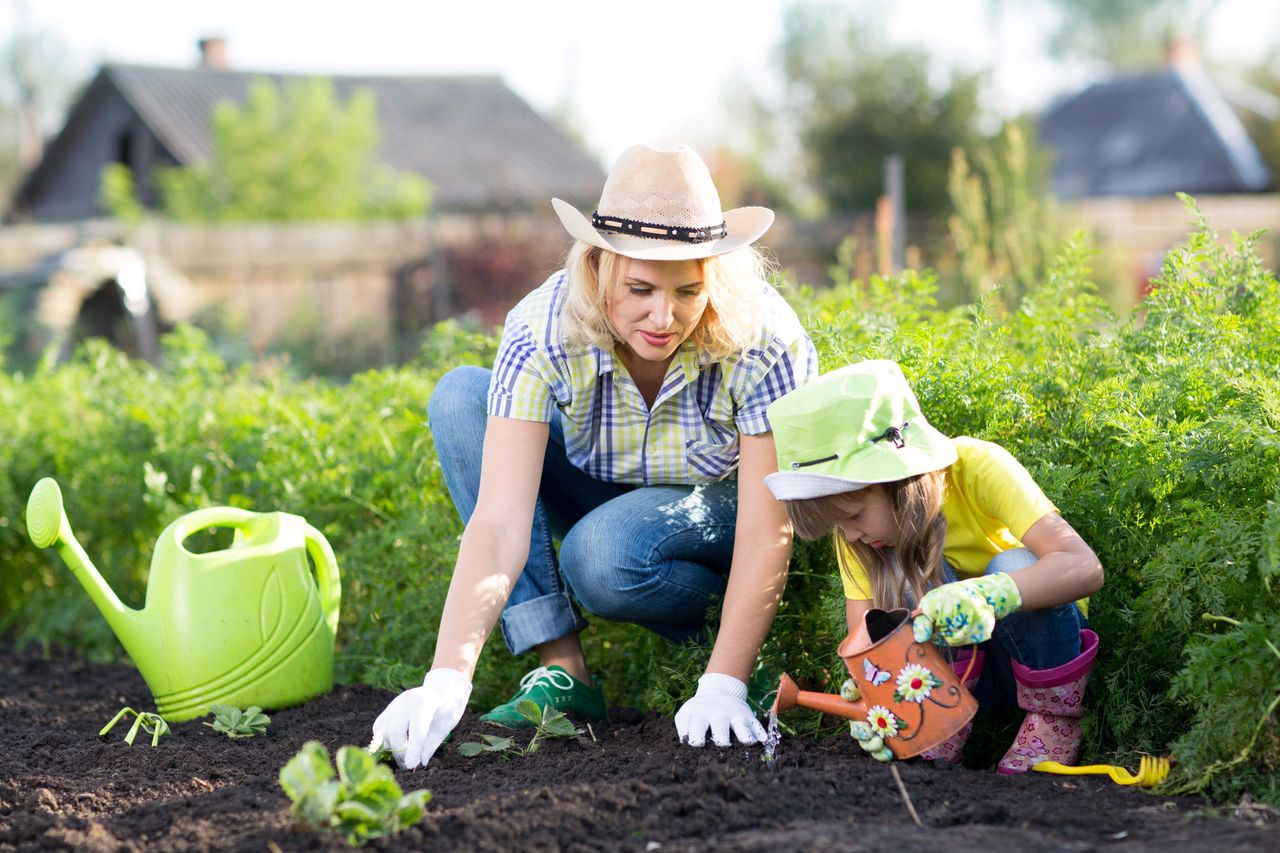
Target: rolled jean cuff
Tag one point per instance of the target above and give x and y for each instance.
(540, 620)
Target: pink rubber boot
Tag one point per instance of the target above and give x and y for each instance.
(951, 750)
(1051, 698)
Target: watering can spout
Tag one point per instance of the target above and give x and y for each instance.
(47, 526)
(790, 696)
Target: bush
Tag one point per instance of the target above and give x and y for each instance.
(1154, 435)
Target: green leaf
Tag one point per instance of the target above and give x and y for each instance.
(233, 722)
(530, 710)
(412, 807)
(317, 804)
(354, 766)
(306, 771)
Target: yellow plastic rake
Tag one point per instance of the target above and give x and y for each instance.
(1151, 771)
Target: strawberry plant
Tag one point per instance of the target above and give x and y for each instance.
(152, 724)
(547, 723)
(233, 722)
(362, 801)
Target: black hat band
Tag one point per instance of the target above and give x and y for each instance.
(636, 228)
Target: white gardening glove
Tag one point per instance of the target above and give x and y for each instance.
(417, 721)
(720, 705)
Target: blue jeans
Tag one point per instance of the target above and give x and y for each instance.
(1039, 639)
(655, 556)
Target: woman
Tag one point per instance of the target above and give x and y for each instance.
(628, 391)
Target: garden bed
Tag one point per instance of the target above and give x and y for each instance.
(631, 788)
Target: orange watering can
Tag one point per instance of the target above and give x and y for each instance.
(911, 696)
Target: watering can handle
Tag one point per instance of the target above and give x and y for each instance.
(213, 516)
(326, 575)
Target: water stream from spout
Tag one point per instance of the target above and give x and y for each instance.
(772, 737)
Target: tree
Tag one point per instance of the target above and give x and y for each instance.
(291, 153)
(1124, 33)
(35, 87)
(857, 99)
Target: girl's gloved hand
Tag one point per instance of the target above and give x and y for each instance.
(719, 705)
(966, 611)
(417, 721)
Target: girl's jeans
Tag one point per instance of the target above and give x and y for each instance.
(655, 556)
(1039, 639)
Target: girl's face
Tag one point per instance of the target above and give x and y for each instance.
(870, 518)
(657, 307)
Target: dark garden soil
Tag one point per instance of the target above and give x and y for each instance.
(633, 788)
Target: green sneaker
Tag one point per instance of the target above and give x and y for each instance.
(550, 686)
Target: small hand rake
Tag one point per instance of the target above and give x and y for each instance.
(1151, 771)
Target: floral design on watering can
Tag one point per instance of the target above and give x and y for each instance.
(915, 683)
(903, 691)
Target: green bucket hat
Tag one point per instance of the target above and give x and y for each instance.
(849, 429)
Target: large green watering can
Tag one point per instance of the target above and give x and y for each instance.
(249, 625)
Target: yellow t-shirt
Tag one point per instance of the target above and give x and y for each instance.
(989, 502)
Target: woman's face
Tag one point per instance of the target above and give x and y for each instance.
(657, 306)
(870, 518)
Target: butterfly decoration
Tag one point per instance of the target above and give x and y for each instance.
(873, 673)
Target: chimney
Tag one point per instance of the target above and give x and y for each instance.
(1182, 52)
(213, 53)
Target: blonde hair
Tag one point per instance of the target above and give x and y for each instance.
(911, 567)
(735, 284)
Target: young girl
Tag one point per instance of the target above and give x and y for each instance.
(955, 525)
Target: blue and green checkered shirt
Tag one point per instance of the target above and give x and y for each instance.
(691, 434)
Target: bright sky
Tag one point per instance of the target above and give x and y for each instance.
(656, 72)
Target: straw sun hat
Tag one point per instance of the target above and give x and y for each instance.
(849, 429)
(660, 204)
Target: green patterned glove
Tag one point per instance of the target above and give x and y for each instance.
(966, 611)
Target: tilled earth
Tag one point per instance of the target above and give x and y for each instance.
(632, 787)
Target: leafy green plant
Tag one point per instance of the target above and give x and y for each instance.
(152, 724)
(363, 802)
(547, 723)
(233, 722)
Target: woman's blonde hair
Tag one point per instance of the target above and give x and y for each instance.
(735, 284)
(911, 567)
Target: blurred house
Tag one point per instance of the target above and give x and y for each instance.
(1122, 149)
(357, 293)
(478, 143)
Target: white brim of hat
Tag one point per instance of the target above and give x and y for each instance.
(798, 486)
(744, 224)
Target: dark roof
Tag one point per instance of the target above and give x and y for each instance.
(475, 139)
(1151, 134)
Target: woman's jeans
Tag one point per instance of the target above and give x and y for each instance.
(1039, 639)
(655, 556)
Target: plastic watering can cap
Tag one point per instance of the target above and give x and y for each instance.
(44, 513)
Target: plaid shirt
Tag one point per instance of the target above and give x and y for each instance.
(690, 436)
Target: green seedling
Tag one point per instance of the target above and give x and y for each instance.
(152, 724)
(233, 722)
(547, 723)
(364, 801)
